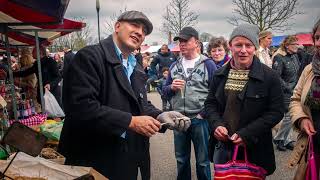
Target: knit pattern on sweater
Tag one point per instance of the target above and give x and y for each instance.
(237, 79)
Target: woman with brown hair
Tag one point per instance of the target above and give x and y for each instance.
(286, 64)
(305, 109)
(218, 51)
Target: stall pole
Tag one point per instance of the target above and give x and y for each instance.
(39, 71)
(98, 16)
(13, 94)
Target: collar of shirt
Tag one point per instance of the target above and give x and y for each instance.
(265, 50)
(128, 64)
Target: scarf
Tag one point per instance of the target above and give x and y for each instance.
(316, 63)
(219, 64)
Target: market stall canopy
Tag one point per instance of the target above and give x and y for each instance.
(152, 49)
(32, 11)
(144, 48)
(305, 39)
(23, 35)
(20, 18)
(277, 40)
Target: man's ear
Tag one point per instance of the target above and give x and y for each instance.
(117, 26)
(197, 43)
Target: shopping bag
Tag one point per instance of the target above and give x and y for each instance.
(312, 172)
(51, 105)
(239, 169)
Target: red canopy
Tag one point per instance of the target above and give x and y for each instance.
(32, 11)
(305, 39)
(176, 48)
(144, 47)
(23, 17)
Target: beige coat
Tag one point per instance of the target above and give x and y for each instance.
(297, 111)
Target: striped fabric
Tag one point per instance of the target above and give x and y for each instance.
(239, 169)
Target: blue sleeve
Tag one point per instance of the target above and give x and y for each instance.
(211, 67)
(166, 89)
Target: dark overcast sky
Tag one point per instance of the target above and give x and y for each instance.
(212, 19)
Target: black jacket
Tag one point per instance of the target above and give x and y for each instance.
(68, 56)
(99, 102)
(162, 60)
(261, 109)
(287, 66)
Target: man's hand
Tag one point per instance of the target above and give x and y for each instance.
(307, 126)
(177, 84)
(47, 86)
(221, 133)
(236, 139)
(144, 125)
(175, 120)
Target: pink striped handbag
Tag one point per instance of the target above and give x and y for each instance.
(238, 169)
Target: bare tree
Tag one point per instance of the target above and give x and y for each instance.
(111, 20)
(266, 14)
(75, 40)
(178, 15)
(205, 37)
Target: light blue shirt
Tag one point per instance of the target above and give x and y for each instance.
(128, 66)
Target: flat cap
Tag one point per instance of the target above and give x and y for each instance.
(137, 16)
(186, 33)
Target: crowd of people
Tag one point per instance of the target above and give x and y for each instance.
(232, 93)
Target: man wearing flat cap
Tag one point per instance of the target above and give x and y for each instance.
(187, 86)
(108, 118)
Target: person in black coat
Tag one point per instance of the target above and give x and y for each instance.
(163, 59)
(49, 71)
(108, 118)
(68, 56)
(245, 101)
(287, 64)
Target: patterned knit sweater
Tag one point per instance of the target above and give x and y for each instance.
(237, 79)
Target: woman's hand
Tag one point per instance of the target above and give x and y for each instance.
(307, 126)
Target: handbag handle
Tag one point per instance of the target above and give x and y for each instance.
(235, 153)
(310, 149)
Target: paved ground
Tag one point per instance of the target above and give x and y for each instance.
(163, 164)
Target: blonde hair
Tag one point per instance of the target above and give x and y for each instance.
(26, 58)
(264, 34)
(287, 41)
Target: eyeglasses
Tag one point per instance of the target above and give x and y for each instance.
(294, 44)
(316, 37)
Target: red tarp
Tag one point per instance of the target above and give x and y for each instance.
(305, 39)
